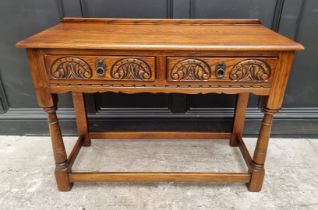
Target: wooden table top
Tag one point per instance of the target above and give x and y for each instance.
(161, 34)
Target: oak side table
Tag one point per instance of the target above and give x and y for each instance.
(228, 56)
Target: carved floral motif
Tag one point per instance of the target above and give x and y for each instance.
(130, 69)
(251, 70)
(70, 68)
(191, 70)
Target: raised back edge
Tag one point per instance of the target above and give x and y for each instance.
(129, 21)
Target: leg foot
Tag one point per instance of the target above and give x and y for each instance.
(257, 178)
(62, 179)
(87, 142)
(233, 142)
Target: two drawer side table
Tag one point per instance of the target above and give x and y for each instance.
(228, 56)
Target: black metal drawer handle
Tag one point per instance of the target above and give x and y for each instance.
(100, 67)
(220, 70)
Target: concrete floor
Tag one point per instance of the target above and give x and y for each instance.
(27, 182)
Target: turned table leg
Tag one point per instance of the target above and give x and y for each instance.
(81, 117)
(239, 117)
(257, 166)
(61, 164)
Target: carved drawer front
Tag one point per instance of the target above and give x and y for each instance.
(220, 69)
(77, 67)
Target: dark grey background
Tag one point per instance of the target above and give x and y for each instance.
(297, 19)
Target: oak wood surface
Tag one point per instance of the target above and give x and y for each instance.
(159, 135)
(82, 55)
(212, 63)
(186, 89)
(257, 165)
(81, 117)
(208, 53)
(239, 118)
(159, 176)
(108, 61)
(276, 97)
(73, 154)
(127, 34)
(245, 153)
(60, 157)
(43, 96)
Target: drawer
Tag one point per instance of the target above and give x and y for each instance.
(220, 69)
(78, 67)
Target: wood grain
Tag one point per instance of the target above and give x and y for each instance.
(239, 118)
(82, 55)
(257, 165)
(245, 153)
(43, 96)
(212, 62)
(276, 97)
(60, 157)
(186, 89)
(158, 176)
(76, 149)
(110, 64)
(158, 135)
(81, 117)
(141, 21)
(217, 36)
